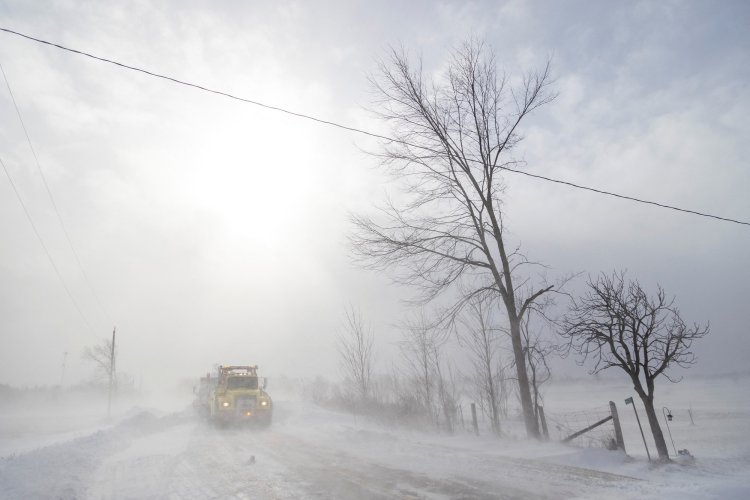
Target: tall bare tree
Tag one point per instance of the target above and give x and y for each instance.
(617, 324)
(454, 138)
(354, 344)
(482, 339)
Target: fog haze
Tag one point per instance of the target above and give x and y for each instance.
(215, 231)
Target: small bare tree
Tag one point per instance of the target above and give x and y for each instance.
(481, 337)
(420, 347)
(454, 139)
(103, 356)
(354, 344)
(447, 391)
(538, 350)
(619, 325)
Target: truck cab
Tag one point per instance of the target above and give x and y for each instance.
(240, 396)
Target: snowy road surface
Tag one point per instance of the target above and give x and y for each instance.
(176, 456)
(312, 453)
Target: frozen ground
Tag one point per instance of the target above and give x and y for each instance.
(318, 454)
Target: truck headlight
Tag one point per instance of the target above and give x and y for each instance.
(225, 404)
(264, 403)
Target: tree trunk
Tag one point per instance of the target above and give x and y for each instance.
(495, 416)
(492, 396)
(533, 385)
(443, 397)
(428, 389)
(653, 421)
(532, 426)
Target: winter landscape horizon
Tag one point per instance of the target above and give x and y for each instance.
(349, 249)
(155, 445)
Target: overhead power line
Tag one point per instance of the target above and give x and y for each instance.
(364, 132)
(52, 198)
(46, 251)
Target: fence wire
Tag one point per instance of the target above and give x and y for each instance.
(564, 424)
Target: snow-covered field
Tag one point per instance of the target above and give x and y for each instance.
(309, 452)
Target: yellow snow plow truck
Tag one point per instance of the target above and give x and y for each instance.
(237, 397)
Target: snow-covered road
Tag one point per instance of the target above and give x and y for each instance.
(176, 456)
(313, 453)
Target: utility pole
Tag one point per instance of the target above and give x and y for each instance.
(111, 374)
(62, 374)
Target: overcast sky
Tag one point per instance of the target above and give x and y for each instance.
(215, 231)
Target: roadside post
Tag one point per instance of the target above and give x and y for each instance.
(618, 428)
(112, 375)
(668, 418)
(629, 401)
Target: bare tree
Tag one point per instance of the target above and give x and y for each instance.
(420, 347)
(355, 349)
(407, 391)
(454, 138)
(447, 391)
(481, 337)
(537, 351)
(103, 357)
(619, 325)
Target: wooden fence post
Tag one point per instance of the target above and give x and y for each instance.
(618, 429)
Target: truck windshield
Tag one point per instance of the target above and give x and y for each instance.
(242, 383)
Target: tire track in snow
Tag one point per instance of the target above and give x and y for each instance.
(558, 478)
(426, 470)
(194, 462)
(329, 473)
